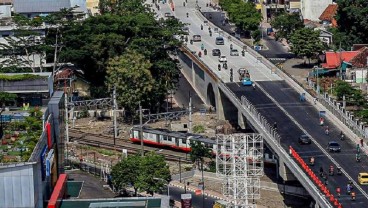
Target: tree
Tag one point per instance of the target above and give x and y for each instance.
(351, 19)
(154, 173)
(286, 24)
(198, 152)
(125, 173)
(243, 14)
(132, 78)
(19, 49)
(7, 98)
(142, 173)
(306, 43)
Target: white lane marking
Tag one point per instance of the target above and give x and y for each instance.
(314, 141)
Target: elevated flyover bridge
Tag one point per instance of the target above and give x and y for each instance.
(275, 99)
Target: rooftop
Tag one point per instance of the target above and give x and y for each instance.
(329, 13)
(360, 60)
(334, 59)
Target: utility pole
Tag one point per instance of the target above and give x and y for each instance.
(141, 128)
(190, 113)
(340, 61)
(55, 52)
(114, 114)
(66, 116)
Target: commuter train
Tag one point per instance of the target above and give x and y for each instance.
(180, 141)
(169, 139)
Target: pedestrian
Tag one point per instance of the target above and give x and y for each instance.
(315, 101)
(361, 142)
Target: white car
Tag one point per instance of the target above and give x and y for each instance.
(222, 59)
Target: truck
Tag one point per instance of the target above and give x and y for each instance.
(244, 77)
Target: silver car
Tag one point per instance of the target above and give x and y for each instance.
(234, 52)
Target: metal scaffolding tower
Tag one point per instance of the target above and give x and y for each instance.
(239, 161)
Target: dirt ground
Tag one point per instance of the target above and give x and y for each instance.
(270, 199)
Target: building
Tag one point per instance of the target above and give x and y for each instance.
(30, 183)
(33, 88)
(312, 9)
(92, 6)
(357, 67)
(72, 79)
(35, 8)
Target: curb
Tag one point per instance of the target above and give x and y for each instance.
(193, 190)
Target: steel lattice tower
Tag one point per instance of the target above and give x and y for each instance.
(239, 161)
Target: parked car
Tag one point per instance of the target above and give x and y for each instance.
(333, 147)
(304, 139)
(234, 52)
(363, 178)
(216, 52)
(222, 59)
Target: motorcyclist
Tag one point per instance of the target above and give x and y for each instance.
(205, 51)
(331, 170)
(225, 65)
(187, 13)
(342, 136)
(357, 157)
(254, 86)
(199, 53)
(358, 148)
(201, 27)
(348, 189)
(231, 46)
(184, 6)
(219, 67)
(311, 161)
(338, 191)
(338, 170)
(202, 46)
(186, 38)
(327, 130)
(275, 125)
(353, 196)
(210, 34)
(321, 171)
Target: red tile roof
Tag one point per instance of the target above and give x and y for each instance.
(334, 59)
(329, 13)
(360, 60)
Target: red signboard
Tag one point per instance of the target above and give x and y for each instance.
(48, 132)
(186, 200)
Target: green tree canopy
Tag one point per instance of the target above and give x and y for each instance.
(198, 152)
(352, 96)
(243, 14)
(149, 173)
(352, 21)
(286, 24)
(7, 98)
(132, 78)
(306, 43)
(97, 42)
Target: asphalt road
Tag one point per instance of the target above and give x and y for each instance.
(307, 116)
(175, 193)
(275, 48)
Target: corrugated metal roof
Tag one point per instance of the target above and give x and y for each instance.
(39, 6)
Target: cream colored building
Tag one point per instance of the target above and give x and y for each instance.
(92, 6)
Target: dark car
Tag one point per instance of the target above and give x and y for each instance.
(304, 139)
(216, 52)
(333, 147)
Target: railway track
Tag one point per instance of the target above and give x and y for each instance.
(107, 142)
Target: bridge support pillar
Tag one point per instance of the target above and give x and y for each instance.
(219, 107)
(241, 120)
(285, 172)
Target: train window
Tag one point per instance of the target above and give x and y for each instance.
(184, 141)
(170, 139)
(164, 138)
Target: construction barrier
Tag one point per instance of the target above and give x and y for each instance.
(314, 178)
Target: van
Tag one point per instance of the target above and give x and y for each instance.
(220, 41)
(197, 38)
